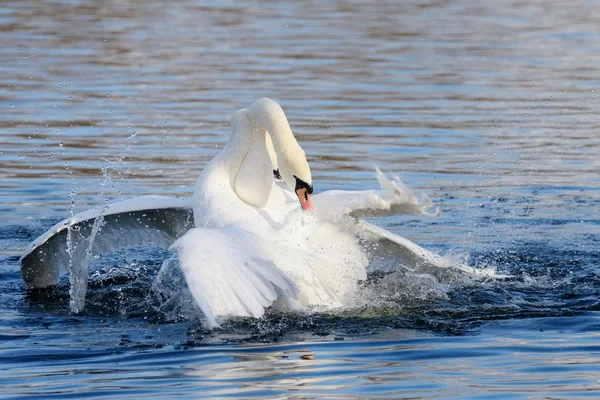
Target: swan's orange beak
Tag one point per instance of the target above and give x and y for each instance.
(304, 197)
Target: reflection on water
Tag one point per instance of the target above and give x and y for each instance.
(527, 364)
(489, 107)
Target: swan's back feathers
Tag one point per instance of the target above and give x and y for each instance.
(229, 273)
(143, 221)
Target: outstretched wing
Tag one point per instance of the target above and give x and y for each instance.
(142, 221)
(393, 198)
(231, 272)
(394, 249)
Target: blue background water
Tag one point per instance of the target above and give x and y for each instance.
(489, 107)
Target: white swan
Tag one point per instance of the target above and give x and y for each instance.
(249, 245)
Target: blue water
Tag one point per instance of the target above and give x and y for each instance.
(491, 108)
(426, 367)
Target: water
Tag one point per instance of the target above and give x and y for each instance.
(489, 108)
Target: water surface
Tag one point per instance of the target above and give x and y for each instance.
(491, 108)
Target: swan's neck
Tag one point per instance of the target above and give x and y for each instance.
(249, 163)
(268, 115)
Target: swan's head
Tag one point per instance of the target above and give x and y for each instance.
(294, 170)
(289, 159)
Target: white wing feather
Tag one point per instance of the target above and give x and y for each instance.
(339, 207)
(148, 220)
(230, 272)
(393, 198)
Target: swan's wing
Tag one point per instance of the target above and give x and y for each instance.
(395, 249)
(148, 220)
(230, 272)
(394, 197)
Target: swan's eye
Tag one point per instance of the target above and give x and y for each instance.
(300, 184)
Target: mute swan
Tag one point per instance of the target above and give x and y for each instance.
(242, 241)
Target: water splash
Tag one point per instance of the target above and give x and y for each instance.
(80, 245)
(170, 295)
